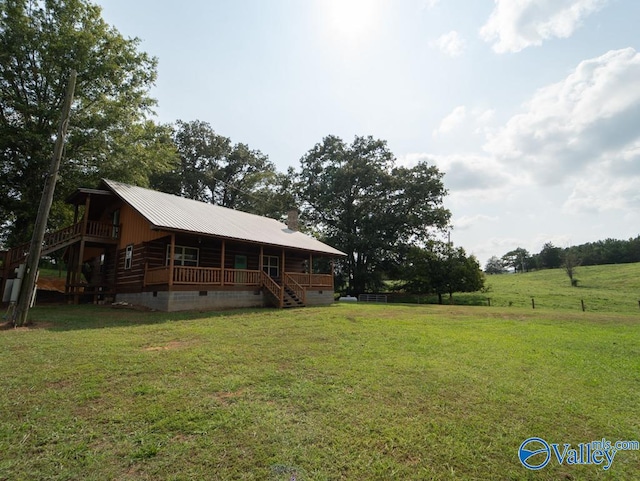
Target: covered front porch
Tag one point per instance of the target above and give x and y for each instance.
(197, 264)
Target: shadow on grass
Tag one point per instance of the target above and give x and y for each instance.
(62, 317)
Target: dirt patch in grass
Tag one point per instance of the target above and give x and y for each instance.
(226, 397)
(168, 346)
(7, 326)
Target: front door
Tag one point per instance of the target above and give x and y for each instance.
(240, 265)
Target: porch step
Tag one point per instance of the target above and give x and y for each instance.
(290, 299)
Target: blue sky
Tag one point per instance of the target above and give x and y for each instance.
(531, 108)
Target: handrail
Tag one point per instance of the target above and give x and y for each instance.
(298, 290)
(60, 238)
(273, 287)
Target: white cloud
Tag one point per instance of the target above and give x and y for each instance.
(604, 193)
(451, 44)
(588, 119)
(451, 121)
(476, 121)
(465, 222)
(515, 25)
(469, 178)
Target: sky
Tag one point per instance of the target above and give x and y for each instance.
(531, 108)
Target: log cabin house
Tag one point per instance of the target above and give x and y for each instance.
(135, 245)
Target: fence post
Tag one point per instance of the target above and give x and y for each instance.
(582, 302)
(489, 301)
(533, 303)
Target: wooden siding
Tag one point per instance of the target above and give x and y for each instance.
(135, 228)
(133, 278)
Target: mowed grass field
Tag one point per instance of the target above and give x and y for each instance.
(350, 391)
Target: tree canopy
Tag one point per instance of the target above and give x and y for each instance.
(212, 169)
(361, 202)
(110, 132)
(441, 269)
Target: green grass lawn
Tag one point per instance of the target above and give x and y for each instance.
(353, 392)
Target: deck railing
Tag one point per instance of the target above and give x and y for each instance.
(312, 280)
(184, 275)
(64, 237)
(196, 275)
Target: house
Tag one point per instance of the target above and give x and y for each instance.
(144, 247)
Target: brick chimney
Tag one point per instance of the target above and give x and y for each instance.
(292, 219)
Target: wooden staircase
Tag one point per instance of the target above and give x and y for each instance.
(286, 295)
(63, 238)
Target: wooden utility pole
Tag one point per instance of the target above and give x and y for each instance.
(35, 250)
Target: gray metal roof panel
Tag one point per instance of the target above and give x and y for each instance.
(173, 213)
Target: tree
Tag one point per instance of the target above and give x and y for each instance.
(441, 268)
(363, 204)
(519, 259)
(570, 263)
(494, 266)
(109, 131)
(212, 169)
(550, 257)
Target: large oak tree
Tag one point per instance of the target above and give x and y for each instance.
(213, 169)
(110, 133)
(361, 202)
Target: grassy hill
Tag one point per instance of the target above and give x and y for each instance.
(608, 288)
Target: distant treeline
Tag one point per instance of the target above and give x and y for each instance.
(609, 251)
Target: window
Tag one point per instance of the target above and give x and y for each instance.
(184, 256)
(270, 264)
(128, 256)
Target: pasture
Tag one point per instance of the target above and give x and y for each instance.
(371, 392)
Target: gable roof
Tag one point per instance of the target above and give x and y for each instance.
(178, 214)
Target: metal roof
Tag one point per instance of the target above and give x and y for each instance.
(172, 213)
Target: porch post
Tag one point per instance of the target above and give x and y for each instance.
(85, 218)
(310, 268)
(222, 264)
(172, 250)
(283, 280)
(283, 264)
(76, 297)
(261, 261)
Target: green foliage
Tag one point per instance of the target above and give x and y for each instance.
(608, 251)
(41, 42)
(518, 259)
(440, 268)
(494, 265)
(550, 257)
(212, 169)
(344, 392)
(363, 204)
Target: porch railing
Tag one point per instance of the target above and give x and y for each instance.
(184, 275)
(295, 287)
(312, 280)
(201, 275)
(196, 275)
(64, 237)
